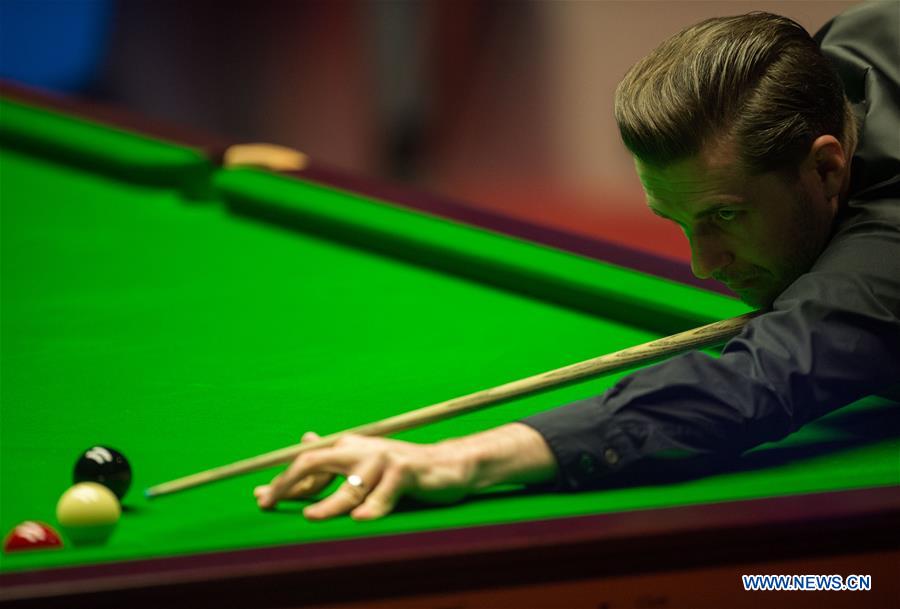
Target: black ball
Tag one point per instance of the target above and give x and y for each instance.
(106, 466)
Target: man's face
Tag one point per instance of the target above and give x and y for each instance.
(756, 234)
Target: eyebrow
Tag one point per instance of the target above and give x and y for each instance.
(700, 214)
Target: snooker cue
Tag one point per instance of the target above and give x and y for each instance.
(696, 338)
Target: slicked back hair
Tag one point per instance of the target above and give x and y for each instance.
(758, 80)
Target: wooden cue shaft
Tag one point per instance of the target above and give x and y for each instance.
(703, 336)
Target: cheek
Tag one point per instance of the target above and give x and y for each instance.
(764, 245)
(781, 230)
(792, 247)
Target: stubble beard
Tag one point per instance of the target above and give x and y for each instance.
(810, 230)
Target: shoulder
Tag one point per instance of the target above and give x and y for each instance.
(864, 45)
(864, 39)
(871, 28)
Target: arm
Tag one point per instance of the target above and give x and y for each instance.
(510, 454)
(833, 337)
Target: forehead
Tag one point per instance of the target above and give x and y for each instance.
(710, 177)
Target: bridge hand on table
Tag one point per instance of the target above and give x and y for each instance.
(378, 473)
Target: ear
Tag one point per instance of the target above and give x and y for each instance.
(828, 159)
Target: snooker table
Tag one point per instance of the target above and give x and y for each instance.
(191, 315)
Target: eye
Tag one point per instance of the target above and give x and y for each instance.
(726, 215)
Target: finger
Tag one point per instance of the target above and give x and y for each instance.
(262, 491)
(265, 494)
(325, 460)
(308, 486)
(384, 497)
(347, 497)
(312, 484)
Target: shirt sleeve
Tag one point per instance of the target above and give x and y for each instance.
(831, 337)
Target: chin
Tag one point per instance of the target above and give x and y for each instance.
(765, 288)
(758, 298)
(753, 300)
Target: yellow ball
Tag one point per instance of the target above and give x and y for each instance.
(88, 513)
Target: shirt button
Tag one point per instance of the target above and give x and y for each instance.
(587, 463)
(611, 456)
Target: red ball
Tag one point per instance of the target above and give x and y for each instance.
(32, 535)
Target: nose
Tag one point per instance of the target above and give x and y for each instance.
(708, 256)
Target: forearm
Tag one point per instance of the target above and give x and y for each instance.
(834, 341)
(510, 454)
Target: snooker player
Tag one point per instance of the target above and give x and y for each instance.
(779, 156)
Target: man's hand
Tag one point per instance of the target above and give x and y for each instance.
(380, 471)
(386, 470)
